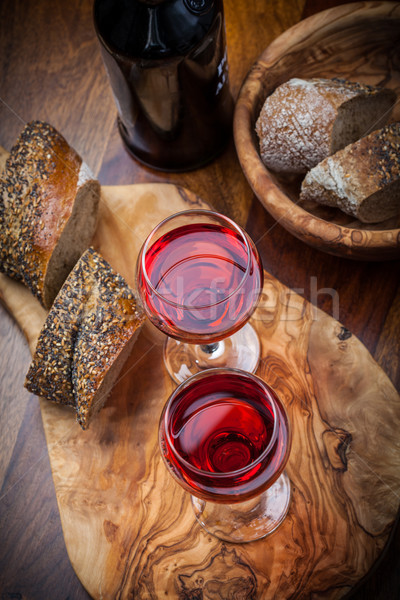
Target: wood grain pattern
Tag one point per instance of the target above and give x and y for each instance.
(48, 60)
(34, 563)
(359, 42)
(129, 528)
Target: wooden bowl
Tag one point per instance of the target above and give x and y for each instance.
(360, 42)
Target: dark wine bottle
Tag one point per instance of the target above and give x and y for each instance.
(167, 65)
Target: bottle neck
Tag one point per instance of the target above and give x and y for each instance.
(154, 28)
(197, 7)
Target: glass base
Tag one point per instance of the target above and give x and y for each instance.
(246, 521)
(241, 351)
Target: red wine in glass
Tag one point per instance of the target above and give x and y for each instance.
(203, 282)
(200, 278)
(224, 436)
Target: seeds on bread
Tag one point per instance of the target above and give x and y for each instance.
(363, 179)
(305, 120)
(86, 338)
(48, 210)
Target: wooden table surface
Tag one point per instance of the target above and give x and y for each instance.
(51, 69)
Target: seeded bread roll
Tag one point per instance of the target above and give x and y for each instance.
(363, 179)
(86, 338)
(305, 120)
(48, 210)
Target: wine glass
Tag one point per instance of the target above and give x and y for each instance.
(224, 436)
(200, 276)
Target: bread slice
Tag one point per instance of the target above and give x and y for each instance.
(305, 120)
(363, 179)
(86, 338)
(48, 210)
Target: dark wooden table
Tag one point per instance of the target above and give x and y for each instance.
(51, 69)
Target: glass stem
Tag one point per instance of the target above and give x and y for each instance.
(209, 348)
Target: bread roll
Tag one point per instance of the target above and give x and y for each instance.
(48, 210)
(363, 179)
(304, 121)
(86, 338)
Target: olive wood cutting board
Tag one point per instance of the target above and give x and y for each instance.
(129, 528)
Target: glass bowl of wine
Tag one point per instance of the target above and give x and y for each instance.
(200, 277)
(224, 436)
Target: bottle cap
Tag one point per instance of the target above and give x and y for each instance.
(199, 7)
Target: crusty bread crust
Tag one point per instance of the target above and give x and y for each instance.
(48, 210)
(363, 179)
(305, 120)
(86, 338)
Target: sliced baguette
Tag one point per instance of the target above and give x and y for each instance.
(48, 210)
(363, 179)
(86, 338)
(305, 120)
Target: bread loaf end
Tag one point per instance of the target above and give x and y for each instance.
(363, 179)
